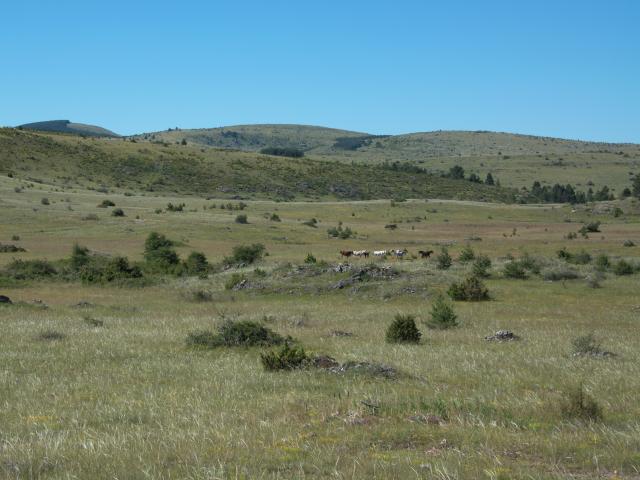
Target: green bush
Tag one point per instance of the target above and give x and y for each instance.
(466, 254)
(30, 269)
(245, 254)
(481, 266)
(622, 267)
(236, 334)
(559, 273)
(286, 358)
(470, 289)
(159, 253)
(578, 404)
(275, 217)
(117, 212)
(340, 232)
(196, 264)
(515, 269)
(602, 262)
(106, 203)
(44, 201)
(442, 315)
(444, 260)
(310, 259)
(403, 330)
(102, 269)
(580, 258)
(242, 219)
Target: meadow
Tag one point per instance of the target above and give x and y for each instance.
(98, 381)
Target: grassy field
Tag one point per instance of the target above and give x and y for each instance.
(129, 399)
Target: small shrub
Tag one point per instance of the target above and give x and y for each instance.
(245, 254)
(628, 243)
(514, 269)
(51, 335)
(93, 322)
(196, 264)
(248, 334)
(481, 266)
(117, 212)
(310, 259)
(313, 223)
(159, 253)
(7, 248)
(403, 330)
(286, 358)
(44, 201)
(471, 289)
(602, 262)
(340, 232)
(622, 267)
(106, 203)
(559, 273)
(275, 217)
(444, 260)
(203, 338)
(15, 238)
(234, 280)
(586, 345)
(467, 254)
(578, 404)
(242, 219)
(175, 208)
(592, 227)
(30, 269)
(442, 315)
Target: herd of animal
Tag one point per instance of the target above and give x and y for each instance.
(398, 253)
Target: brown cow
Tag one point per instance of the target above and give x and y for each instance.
(425, 254)
(346, 253)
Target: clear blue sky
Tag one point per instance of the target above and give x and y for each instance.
(561, 68)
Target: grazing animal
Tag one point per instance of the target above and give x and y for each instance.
(346, 253)
(400, 253)
(361, 253)
(380, 253)
(425, 253)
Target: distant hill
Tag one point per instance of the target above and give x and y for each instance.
(517, 160)
(72, 161)
(65, 126)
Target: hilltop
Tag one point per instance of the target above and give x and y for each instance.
(66, 126)
(129, 165)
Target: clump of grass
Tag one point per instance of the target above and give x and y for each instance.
(310, 259)
(578, 404)
(481, 266)
(444, 260)
(313, 223)
(236, 334)
(93, 322)
(242, 219)
(471, 289)
(198, 295)
(30, 269)
(580, 258)
(602, 262)
(442, 315)
(403, 329)
(9, 248)
(340, 232)
(628, 243)
(286, 358)
(117, 212)
(106, 203)
(51, 335)
(44, 201)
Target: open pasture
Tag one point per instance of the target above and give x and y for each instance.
(109, 388)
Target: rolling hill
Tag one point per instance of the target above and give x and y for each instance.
(65, 126)
(130, 165)
(517, 160)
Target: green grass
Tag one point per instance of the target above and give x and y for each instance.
(129, 399)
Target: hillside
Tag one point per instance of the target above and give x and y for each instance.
(108, 164)
(517, 160)
(65, 126)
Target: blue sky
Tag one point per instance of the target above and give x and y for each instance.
(559, 68)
